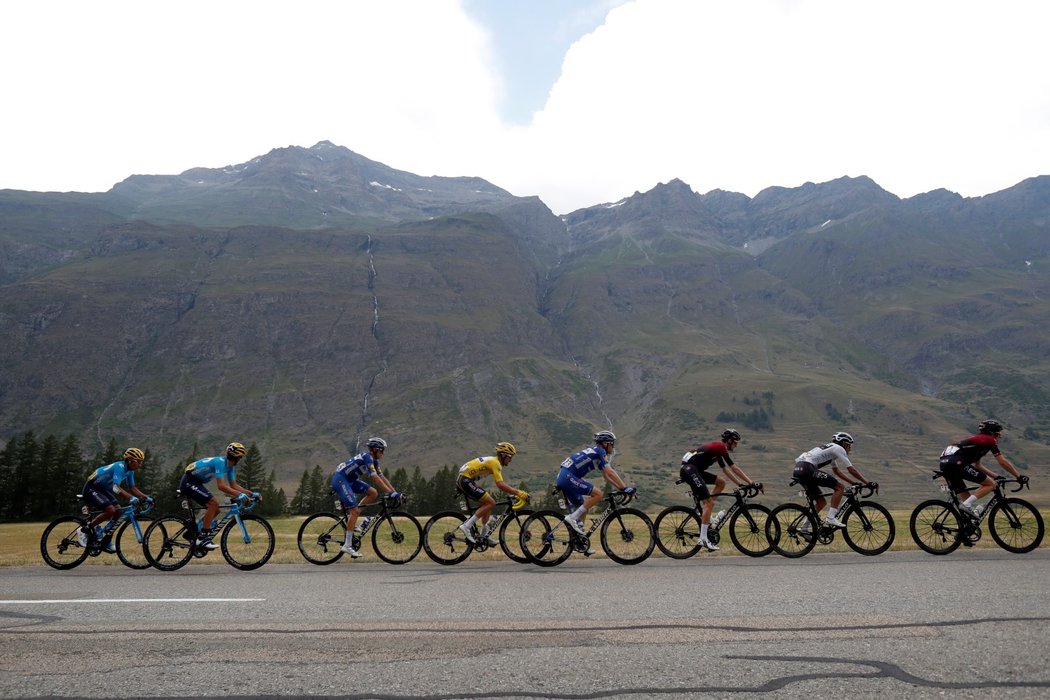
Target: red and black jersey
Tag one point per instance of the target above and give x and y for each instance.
(703, 456)
(970, 450)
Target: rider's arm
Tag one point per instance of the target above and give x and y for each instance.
(383, 482)
(1005, 464)
(506, 488)
(985, 470)
(838, 472)
(856, 473)
(610, 475)
(135, 490)
(736, 475)
(229, 488)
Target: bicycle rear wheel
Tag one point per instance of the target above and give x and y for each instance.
(792, 529)
(627, 536)
(510, 535)
(1016, 525)
(747, 529)
(545, 539)
(443, 541)
(935, 527)
(320, 538)
(247, 544)
(168, 544)
(678, 532)
(59, 545)
(397, 537)
(129, 547)
(869, 529)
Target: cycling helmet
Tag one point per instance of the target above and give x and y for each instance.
(236, 450)
(605, 436)
(134, 453)
(990, 427)
(842, 439)
(376, 444)
(730, 434)
(505, 448)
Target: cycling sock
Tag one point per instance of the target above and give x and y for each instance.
(970, 501)
(832, 512)
(578, 513)
(703, 531)
(470, 522)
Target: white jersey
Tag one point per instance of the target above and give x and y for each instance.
(824, 455)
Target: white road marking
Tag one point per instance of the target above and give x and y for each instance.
(131, 600)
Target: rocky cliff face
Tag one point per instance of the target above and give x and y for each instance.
(444, 314)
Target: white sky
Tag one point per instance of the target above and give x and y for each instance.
(731, 94)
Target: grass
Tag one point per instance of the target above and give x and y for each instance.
(21, 545)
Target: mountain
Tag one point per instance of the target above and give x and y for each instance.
(312, 297)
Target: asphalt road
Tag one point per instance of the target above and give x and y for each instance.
(972, 624)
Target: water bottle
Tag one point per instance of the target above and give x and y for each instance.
(718, 518)
(561, 504)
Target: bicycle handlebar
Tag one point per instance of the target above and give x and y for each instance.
(622, 498)
(1002, 481)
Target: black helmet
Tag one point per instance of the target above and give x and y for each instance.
(376, 444)
(730, 434)
(842, 438)
(605, 436)
(990, 427)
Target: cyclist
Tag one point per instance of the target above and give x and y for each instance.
(224, 469)
(808, 471)
(347, 484)
(693, 471)
(582, 495)
(467, 484)
(961, 462)
(106, 481)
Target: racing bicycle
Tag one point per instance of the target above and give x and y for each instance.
(795, 530)
(246, 540)
(940, 525)
(678, 527)
(397, 535)
(60, 544)
(445, 543)
(626, 534)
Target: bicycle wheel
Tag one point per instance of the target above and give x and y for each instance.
(167, 543)
(320, 538)
(545, 539)
(129, 547)
(678, 532)
(747, 529)
(935, 527)
(443, 541)
(510, 535)
(792, 529)
(247, 544)
(869, 529)
(1016, 525)
(397, 537)
(627, 536)
(59, 545)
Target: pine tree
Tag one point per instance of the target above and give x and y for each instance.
(250, 470)
(26, 459)
(300, 500)
(70, 477)
(7, 476)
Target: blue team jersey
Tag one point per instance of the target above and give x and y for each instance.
(579, 463)
(113, 474)
(220, 467)
(358, 466)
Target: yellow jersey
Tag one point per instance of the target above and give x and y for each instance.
(480, 466)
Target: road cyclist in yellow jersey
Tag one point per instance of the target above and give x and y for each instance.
(467, 484)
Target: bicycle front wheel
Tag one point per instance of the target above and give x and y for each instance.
(792, 529)
(129, 542)
(247, 542)
(510, 536)
(443, 541)
(869, 529)
(1016, 525)
(320, 538)
(60, 546)
(678, 532)
(627, 536)
(545, 539)
(935, 527)
(747, 529)
(397, 537)
(168, 544)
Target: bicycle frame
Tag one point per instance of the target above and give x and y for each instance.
(971, 522)
(232, 510)
(740, 495)
(127, 513)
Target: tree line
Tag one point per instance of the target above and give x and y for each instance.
(40, 478)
